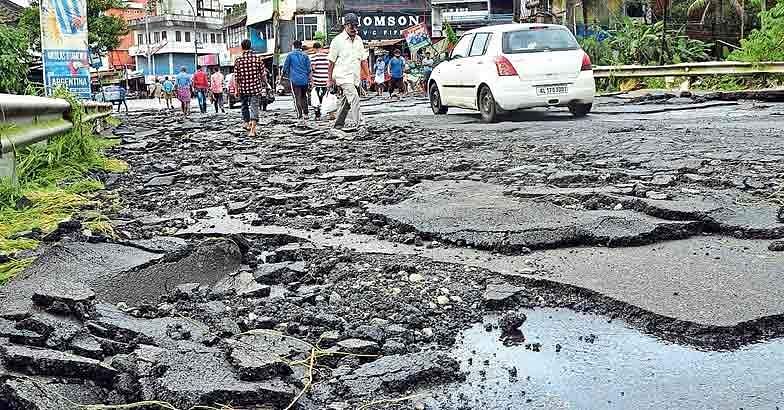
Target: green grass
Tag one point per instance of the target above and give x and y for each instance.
(14, 267)
(53, 179)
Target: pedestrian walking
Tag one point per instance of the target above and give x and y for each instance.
(184, 84)
(157, 92)
(201, 84)
(250, 74)
(297, 69)
(216, 89)
(319, 70)
(346, 55)
(396, 67)
(427, 69)
(168, 92)
(379, 69)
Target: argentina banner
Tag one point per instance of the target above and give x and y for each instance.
(64, 46)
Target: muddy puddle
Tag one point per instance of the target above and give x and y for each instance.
(605, 364)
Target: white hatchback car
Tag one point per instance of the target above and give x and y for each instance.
(511, 67)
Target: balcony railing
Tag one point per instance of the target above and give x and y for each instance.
(472, 18)
(183, 19)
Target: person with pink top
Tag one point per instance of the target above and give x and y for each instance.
(216, 89)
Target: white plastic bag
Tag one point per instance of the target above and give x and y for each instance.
(329, 104)
(314, 100)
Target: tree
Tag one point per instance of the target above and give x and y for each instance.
(701, 8)
(766, 43)
(14, 59)
(104, 31)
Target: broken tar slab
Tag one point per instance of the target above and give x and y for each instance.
(480, 215)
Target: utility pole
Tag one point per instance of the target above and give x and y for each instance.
(276, 31)
(150, 63)
(666, 6)
(517, 4)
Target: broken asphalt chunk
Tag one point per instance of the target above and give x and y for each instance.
(398, 373)
(498, 293)
(46, 362)
(65, 298)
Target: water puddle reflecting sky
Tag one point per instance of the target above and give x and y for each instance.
(621, 368)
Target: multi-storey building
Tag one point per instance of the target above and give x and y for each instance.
(298, 19)
(181, 31)
(120, 58)
(235, 30)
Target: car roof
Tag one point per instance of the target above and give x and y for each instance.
(502, 28)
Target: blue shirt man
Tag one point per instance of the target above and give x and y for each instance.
(396, 66)
(297, 67)
(183, 80)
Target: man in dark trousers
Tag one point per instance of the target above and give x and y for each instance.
(297, 69)
(396, 68)
(320, 75)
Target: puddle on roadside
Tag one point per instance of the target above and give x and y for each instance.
(618, 368)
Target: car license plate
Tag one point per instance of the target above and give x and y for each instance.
(552, 90)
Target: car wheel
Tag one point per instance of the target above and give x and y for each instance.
(580, 110)
(435, 101)
(487, 105)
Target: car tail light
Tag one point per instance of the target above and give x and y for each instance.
(586, 63)
(504, 67)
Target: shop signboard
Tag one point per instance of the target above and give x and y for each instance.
(385, 25)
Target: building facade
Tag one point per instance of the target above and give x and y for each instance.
(176, 37)
(464, 15)
(299, 20)
(120, 58)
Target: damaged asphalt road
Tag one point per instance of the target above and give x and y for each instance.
(333, 270)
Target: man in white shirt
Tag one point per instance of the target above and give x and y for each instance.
(346, 56)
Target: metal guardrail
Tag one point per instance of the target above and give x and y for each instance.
(689, 69)
(26, 120)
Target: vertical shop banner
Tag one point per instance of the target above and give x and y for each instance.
(416, 37)
(64, 46)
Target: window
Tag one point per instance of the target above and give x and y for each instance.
(187, 36)
(462, 47)
(163, 35)
(178, 36)
(479, 45)
(307, 26)
(212, 38)
(538, 39)
(204, 38)
(235, 35)
(219, 37)
(157, 37)
(140, 39)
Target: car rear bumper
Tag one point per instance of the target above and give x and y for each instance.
(513, 94)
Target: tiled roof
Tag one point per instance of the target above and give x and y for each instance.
(9, 12)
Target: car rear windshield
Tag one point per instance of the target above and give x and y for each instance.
(538, 39)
